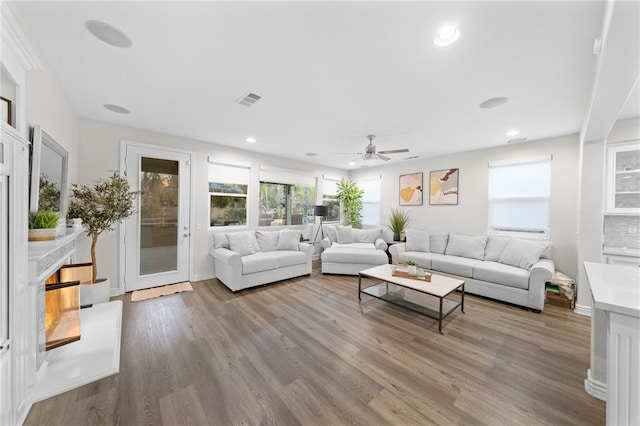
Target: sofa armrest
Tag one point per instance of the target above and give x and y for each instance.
(381, 244)
(395, 250)
(540, 275)
(308, 250)
(325, 243)
(228, 267)
(226, 256)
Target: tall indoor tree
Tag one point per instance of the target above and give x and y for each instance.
(350, 197)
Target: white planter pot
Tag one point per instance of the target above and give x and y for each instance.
(98, 292)
(411, 270)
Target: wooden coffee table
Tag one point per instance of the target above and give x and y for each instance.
(433, 299)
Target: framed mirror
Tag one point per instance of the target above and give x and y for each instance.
(48, 180)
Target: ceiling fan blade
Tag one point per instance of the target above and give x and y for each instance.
(393, 151)
(382, 157)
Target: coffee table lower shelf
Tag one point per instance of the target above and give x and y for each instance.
(422, 303)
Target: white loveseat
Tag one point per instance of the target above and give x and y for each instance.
(348, 251)
(512, 270)
(250, 258)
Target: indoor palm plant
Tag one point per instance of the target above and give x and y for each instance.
(99, 207)
(42, 225)
(398, 220)
(350, 197)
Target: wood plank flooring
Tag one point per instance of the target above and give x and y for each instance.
(305, 352)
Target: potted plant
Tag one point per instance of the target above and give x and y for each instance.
(411, 267)
(42, 225)
(398, 219)
(99, 207)
(350, 197)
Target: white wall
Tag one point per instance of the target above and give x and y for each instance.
(469, 217)
(99, 152)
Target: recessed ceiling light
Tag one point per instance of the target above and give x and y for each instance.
(251, 140)
(117, 108)
(108, 33)
(512, 133)
(494, 102)
(352, 163)
(311, 154)
(446, 36)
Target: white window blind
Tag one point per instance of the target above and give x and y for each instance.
(370, 200)
(519, 195)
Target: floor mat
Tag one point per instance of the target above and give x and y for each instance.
(164, 290)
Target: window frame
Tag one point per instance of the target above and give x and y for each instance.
(544, 197)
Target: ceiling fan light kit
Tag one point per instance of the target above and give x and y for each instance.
(371, 154)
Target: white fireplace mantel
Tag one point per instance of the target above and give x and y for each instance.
(95, 355)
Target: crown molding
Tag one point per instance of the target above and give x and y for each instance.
(14, 39)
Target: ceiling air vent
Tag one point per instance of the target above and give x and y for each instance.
(248, 99)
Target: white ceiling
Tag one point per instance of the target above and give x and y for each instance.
(330, 73)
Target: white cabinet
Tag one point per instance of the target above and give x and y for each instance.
(623, 186)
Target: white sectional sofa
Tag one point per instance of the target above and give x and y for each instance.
(512, 270)
(348, 251)
(250, 258)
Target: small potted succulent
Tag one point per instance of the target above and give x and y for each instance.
(411, 267)
(42, 225)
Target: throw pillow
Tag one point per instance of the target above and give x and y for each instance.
(288, 239)
(220, 240)
(366, 235)
(438, 243)
(417, 240)
(331, 232)
(345, 234)
(523, 253)
(495, 247)
(240, 243)
(466, 246)
(267, 241)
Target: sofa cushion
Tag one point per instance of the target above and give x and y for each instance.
(438, 243)
(267, 240)
(422, 259)
(466, 246)
(220, 240)
(288, 239)
(258, 262)
(241, 242)
(353, 255)
(368, 246)
(332, 233)
(523, 253)
(417, 240)
(500, 273)
(495, 247)
(290, 258)
(366, 235)
(456, 265)
(344, 234)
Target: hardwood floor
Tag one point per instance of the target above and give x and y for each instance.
(305, 352)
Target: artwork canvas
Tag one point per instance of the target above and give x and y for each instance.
(443, 187)
(411, 189)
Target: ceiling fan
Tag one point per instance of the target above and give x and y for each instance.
(371, 153)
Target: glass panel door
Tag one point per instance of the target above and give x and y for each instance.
(159, 201)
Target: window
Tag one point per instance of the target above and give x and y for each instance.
(228, 188)
(329, 199)
(370, 200)
(286, 198)
(519, 194)
(283, 204)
